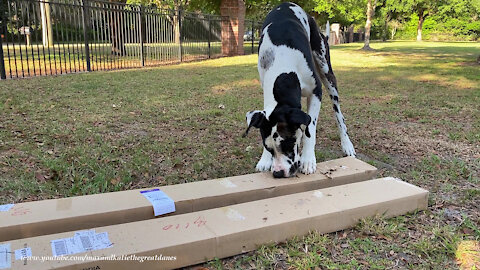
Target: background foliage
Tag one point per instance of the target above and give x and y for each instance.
(397, 19)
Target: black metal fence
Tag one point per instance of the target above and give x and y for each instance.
(42, 37)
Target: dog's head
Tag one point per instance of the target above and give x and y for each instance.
(281, 134)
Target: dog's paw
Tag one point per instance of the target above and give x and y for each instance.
(308, 164)
(347, 148)
(264, 165)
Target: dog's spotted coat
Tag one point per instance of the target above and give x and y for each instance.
(294, 60)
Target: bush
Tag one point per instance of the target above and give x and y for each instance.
(440, 29)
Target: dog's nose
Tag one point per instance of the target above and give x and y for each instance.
(279, 174)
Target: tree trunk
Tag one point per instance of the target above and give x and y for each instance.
(394, 31)
(47, 33)
(388, 18)
(368, 24)
(116, 34)
(176, 21)
(421, 18)
(116, 31)
(385, 30)
(176, 27)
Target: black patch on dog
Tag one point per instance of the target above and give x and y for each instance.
(331, 77)
(335, 98)
(266, 59)
(335, 108)
(287, 145)
(275, 135)
(294, 168)
(287, 91)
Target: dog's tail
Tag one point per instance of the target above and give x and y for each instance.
(319, 43)
(320, 49)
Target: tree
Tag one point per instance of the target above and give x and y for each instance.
(368, 24)
(116, 24)
(422, 8)
(345, 12)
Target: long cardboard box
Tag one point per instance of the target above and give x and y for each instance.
(193, 238)
(60, 215)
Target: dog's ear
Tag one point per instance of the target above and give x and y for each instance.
(299, 117)
(255, 119)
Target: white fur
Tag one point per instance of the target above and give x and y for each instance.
(286, 60)
(327, 29)
(308, 161)
(265, 163)
(302, 17)
(347, 146)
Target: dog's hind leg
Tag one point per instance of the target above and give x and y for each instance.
(321, 55)
(265, 163)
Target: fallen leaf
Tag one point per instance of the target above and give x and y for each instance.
(39, 176)
(115, 181)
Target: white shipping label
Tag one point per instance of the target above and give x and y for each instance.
(6, 207)
(101, 241)
(162, 204)
(5, 256)
(82, 241)
(23, 253)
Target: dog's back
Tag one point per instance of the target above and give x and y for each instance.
(285, 49)
(288, 25)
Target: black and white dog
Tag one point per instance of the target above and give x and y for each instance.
(293, 61)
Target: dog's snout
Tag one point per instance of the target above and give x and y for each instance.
(279, 174)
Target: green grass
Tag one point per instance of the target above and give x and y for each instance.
(411, 109)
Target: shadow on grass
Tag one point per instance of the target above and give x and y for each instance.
(103, 131)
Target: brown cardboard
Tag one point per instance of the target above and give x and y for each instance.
(53, 216)
(235, 229)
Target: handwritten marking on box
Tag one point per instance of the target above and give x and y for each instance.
(198, 222)
(162, 204)
(20, 211)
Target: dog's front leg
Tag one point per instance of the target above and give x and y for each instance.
(308, 162)
(265, 163)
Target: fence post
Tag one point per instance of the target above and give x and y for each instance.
(209, 34)
(140, 28)
(253, 34)
(3, 74)
(86, 19)
(179, 22)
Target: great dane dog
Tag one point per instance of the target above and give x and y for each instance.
(293, 62)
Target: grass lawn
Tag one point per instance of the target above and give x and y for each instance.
(412, 110)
